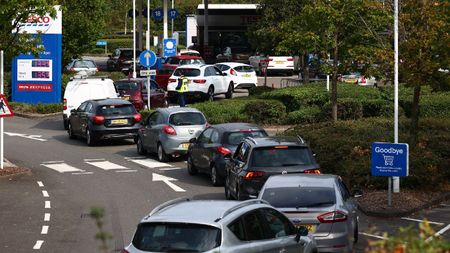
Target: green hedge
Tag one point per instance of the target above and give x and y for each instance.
(343, 148)
(38, 108)
(310, 114)
(224, 111)
(256, 91)
(265, 111)
(113, 44)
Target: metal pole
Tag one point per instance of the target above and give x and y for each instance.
(165, 19)
(396, 182)
(141, 3)
(389, 191)
(134, 38)
(205, 28)
(147, 37)
(173, 5)
(1, 119)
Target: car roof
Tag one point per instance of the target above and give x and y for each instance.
(276, 140)
(132, 79)
(108, 101)
(193, 66)
(170, 110)
(295, 180)
(229, 127)
(185, 57)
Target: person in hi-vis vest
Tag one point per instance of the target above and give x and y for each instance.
(182, 88)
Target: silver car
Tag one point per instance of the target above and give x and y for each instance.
(321, 203)
(78, 65)
(184, 225)
(167, 131)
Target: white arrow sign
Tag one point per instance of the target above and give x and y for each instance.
(147, 57)
(33, 137)
(158, 177)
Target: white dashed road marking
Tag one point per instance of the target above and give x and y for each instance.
(45, 194)
(46, 217)
(421, 221)
(83, 173)
(125, 171)
(149, 163)
(105, 165)
(40, 183)
(61, 167)
(47, 204)
(439, 233)
(163, 169)
(38, 244)
(44, 230)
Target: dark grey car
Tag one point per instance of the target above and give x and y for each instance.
(208, 153)
(322, 203)
(167, 131)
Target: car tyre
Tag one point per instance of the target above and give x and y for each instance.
(216, 180)
(66, 124)
(191, 167)
(140, 147)
(90, 138)
(210, 94)
(355, 236)
(229, 93)
(162, 156)
(227, 190)
(70, 131)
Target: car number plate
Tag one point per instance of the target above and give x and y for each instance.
(246, 75)
(119, 121)
(126, 98)
(311, 228)
(184, 145)
(279, 62)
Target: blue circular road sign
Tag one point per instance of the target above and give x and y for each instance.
(173, 13)
(147, 58)
(158, 13)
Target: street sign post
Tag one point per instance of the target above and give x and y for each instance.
(158, 13)
(148, 72)
(390, 160)
(103, 43)
(148, 59)
(5, 110)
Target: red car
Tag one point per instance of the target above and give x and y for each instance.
(171, 63)
(135, 91)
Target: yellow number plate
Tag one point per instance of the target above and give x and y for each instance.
(311, 228)
(279, 62)
(126, 98)
(184, 145)
(246, 75)
(119, 121)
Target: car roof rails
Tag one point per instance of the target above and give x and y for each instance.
(240, 205)
(167, 204)
(300, 139)
(252, 140)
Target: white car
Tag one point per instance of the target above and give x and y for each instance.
(275, 64)
(367, 81)
(82, 88)
(242, 75)
(78, 65)
(204, 81)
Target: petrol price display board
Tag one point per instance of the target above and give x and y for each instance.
(34, 70)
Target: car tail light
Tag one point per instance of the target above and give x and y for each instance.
(223, 150)
(270, 59)
(199, 81)
(207, 125)
(137, 117)
(253, 174)
(65, 104)
(290, 59)
(233, 72)
(171, 80)
(169, 130)
(332, 217)
(98, 120)
(124, 251)
(72, 70)
(315, 171)
(363, 80)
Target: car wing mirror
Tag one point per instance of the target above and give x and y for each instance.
(193, 140)
(301, 231)
(357, 193)
(73, 111)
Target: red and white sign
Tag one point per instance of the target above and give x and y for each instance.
(34, 87)
(5, 110)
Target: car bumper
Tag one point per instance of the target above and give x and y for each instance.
(196, 94)
(250, 189)
(172, 145)
(123, 133)
(334, 242)
(245, 85)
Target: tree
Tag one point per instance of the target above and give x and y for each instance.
(83, 23)
(14, 12)
(423, 50)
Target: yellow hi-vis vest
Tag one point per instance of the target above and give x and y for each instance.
(184, 84)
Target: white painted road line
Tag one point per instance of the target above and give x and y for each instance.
(46, 217)
(61, 167)
(105, 165)
(83, 173)
(124, 171)
(40, 183)
(149, 163)
(421, 221)
(28, 136)
(438, 233)
(94, 160)
(176, 168)
(158, 177)
(47, 204)
(44, 230)
(374, 236)
(45, 194)
(38, 244)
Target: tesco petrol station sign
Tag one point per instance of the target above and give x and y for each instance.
(38, 79)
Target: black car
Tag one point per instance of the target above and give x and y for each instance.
(104, 119)
(256, 159)
(121, 59)
(208, 153)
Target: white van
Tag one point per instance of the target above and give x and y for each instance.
(82, 88)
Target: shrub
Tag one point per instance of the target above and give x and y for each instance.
(224, 111)
(38, 108)
(256, 91)
(309, 114)
(97, 50)
(145, 113)
(113, 44)
(265, 111)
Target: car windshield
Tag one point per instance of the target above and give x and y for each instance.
(114, 110)
(245, 69)
(234, 138)
(187, 119)
(300, 197)
(128, 86)
(281, 156)
(176, 237)
(84, 64)
(127, 54)
(187, 72)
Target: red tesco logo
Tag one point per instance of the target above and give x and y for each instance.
(38, 19)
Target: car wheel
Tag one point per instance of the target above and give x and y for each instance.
(229, 93)
(162, 156)
(227, 190)
(90, 138)
(70, 131)
(238, 195)
(355, 237)
(140, 147)
(66, 124)
(216, 180)
(190, 167)
(210, 94)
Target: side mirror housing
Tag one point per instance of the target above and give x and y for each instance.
(301, 231)
(193, 140)
(73, 111)
(357, 193)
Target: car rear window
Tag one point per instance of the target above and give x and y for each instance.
(246, 69)
(127, 86)
(300, 197)
(176, 237)
(187, 119)
(192, 61)
(174, 61)
(281, 156)
(165, 71)
(84, 64)
(127, 54)
(115, 110)
(187, 72)
(234, 138)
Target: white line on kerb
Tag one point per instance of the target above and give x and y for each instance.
(374, 236)
(439, 233)
(45, 194)
(38, 244)
(46, 217)
(44, 230)
(47, 204)
(421, 221)
(83, 173)
(164, 169)
(40, 183)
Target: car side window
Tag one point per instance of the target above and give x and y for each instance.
(82, 107)
(89, 108)
(215, 136)
(152, 119)
(253, 227)
(153, 85)
(237, 228)
(344, 190)
(245, 150)
(276, 224)
(208, 72)
(160, 119)
(237, 155)
(217, 72)
(205, 137)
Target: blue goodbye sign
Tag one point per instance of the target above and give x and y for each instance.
(390, 160)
